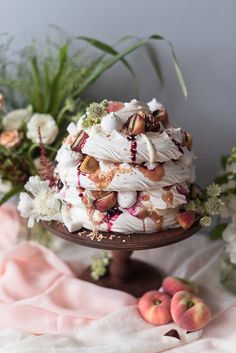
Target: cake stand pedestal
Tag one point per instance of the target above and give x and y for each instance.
(124, 273)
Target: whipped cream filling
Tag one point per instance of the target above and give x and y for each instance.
(151, 147)
(164, 198)
(67, 158)
(127, 177)
(155, 199)
(76, 218)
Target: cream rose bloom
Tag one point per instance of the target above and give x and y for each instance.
(10, 139)
(16, 118)
(47, 125)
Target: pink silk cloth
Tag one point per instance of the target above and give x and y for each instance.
(38, 291)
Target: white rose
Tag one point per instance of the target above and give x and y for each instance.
(47, 125)
(231, 168)
(16, 118)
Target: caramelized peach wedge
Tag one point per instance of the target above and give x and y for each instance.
(89, 165)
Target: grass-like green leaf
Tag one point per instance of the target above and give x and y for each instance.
(217, 231)
(178, 71)
(106, 48)
(14, 191)
(104, 65)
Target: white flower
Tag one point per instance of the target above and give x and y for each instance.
(231, 168)
(231, 184)
(229, 235)
(16, 118)
(42, 204)
(47, 125)
(229, 208)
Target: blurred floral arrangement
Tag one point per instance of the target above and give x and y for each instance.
(47, 86)
(226, 221)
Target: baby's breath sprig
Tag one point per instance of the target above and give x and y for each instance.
(95, 112)
(232, 157)
(212, 204)
(99, 265)
(208, 204)
(213, 190)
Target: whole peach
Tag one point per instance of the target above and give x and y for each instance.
(189, 311)
(154, 307)
(171, 285)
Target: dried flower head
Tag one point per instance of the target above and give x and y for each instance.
(99, 266)
(95, 112)
(213, 206)
(213, 190)
(205, 221)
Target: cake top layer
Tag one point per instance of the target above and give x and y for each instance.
(133, 132)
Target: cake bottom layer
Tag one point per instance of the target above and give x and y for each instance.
(75, 218)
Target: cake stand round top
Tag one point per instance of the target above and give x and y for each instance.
(119, 241)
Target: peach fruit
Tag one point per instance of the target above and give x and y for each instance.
(106, 202)
(89, 165)
(154, 308)
(136, 124)
(171, 285)
(79, 142)
(185, 219)
(189, 311)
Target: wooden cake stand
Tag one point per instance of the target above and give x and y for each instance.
(126, 274)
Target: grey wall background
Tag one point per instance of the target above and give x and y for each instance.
(203, 34)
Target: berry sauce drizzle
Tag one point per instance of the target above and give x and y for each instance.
(78, 174)
(181, 190)
(133, 148)
(111, 216)
(177, 143)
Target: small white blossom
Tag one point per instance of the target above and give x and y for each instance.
(16, 118)
(41, 204)
(205, 221)
(47, 125)
(213, 190)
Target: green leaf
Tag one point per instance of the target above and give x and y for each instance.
(14, 191)
(155, 63)
(223, 179)
(224, 160)
(178, 71)
(37, 96)
(217, 231)
(55, 99)
(104, 65)
(106, 48)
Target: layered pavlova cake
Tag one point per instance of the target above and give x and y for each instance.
(122, 168)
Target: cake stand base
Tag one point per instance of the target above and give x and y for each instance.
(131, 276)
